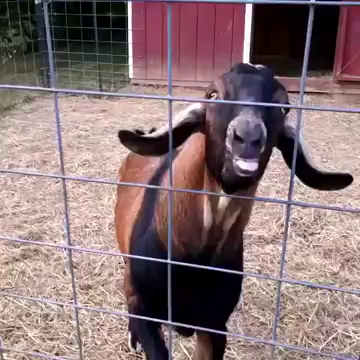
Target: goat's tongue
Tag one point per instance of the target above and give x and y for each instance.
(246, 165)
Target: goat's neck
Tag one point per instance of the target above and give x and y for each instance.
(223, 214)
(203, 220)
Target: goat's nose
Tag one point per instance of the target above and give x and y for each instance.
(253, 135)
(239, 136)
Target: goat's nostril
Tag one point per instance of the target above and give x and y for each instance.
(238, 138)
(257, 142)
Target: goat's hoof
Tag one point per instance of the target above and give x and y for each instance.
(133, 344)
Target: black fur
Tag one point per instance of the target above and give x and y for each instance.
(247, 84)
(135, 141)
(310, 176)
(142, 132)
(203, 298)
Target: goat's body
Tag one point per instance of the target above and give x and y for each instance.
(207, 230)
(219, 147)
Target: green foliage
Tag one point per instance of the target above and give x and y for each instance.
(17, 30)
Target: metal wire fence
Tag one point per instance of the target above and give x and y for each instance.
(89, 44)
(56, 45)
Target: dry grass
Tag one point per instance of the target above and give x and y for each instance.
(323, 246)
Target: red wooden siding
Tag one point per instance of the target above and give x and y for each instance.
(206, 40)
(154, 39)
(347, 58)
(188, 41)
(139, 40)
(205, 48)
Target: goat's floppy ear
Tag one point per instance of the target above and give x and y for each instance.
(187, 122)
(304, 170)
(281, 96)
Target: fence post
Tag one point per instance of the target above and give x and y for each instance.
(62, 170)
(1, 349)
(96, 44)
(287, 219)
(41, 38)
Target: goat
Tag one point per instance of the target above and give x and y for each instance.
(218, 147)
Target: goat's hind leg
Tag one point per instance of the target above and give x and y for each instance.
(209, 346)
(144, 333)
(148, 334)
(132, 300)
(133, 340)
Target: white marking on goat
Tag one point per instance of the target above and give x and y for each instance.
(137, 349)
(263, 127)
(180, 117)
(229, 132)
(223, 204)
(226, 218)
(230, 221)
(207, 217)
(257, 66)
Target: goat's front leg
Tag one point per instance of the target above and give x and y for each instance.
(210, 346)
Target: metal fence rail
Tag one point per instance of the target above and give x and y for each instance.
(70, 248)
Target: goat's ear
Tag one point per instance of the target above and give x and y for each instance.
(281, 96)
(187, 122)
(305, 170)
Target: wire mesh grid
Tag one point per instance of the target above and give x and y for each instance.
(89, 44)
(51, 49)
(90, 51)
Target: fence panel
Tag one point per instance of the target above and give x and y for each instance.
(91, 67)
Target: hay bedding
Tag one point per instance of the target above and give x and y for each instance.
(323, 246)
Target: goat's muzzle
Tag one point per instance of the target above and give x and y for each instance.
(246, 139)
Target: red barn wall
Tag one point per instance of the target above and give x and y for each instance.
(347, 58)
(206, 40)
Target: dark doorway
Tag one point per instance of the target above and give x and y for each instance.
(279, 38)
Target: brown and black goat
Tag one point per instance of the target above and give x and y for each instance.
(218, 147)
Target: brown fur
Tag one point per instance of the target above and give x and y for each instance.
(189, 172)
(137, 169)
(203, 349)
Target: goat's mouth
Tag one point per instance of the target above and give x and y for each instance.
(245, 167)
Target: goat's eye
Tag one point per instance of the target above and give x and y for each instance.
(213, 95)
(238, 138)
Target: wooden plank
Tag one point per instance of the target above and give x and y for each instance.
(175, 41)
(206, 39)
(347, 56)
(138, 39)
(223, 37)
(154, 40)
(188, 35)
(205, 42)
